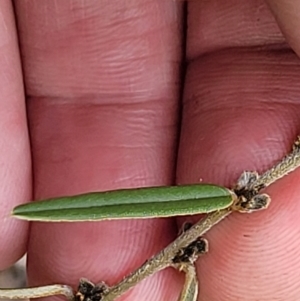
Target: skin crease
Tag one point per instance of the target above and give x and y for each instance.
(102, 86)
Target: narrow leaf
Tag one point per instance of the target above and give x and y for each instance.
(129, 203)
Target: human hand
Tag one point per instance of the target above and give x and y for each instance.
(103, 89)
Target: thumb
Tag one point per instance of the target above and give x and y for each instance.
(287, 14)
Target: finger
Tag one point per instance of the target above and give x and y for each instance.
(211, 29)
(287, 14)
(241, 112)
(15, 171)
(102, 89)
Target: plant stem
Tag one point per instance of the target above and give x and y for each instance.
(164, 258)
(289, 163)
(37, 292)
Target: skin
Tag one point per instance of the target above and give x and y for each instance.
(103, 88)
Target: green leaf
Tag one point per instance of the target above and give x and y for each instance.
(129, 203)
